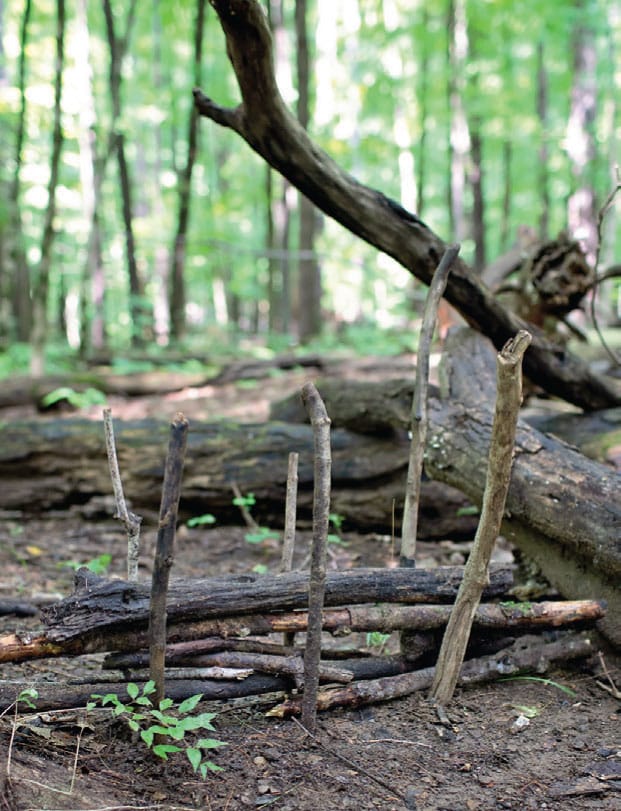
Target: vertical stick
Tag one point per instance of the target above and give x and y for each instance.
(476, 574)
(130, 521)
(288, 543)
(291, 503)
(419, 419)
(321, 517)
(165, 551)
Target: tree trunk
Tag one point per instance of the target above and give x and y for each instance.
(265, 123)
(309, 273)
(177, 274)
(542, 115)
(459, 137)
(40, 295)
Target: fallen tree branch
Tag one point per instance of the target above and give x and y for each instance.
(99, 605)
(527, 654)
(266, 124)
(216, 634)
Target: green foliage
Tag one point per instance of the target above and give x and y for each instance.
(163, 729)
(78, 399)
(98, 565)
(260, 535)
(201, 520)
(337, 522)
(28, 696)
(548, 682)
(376, 639)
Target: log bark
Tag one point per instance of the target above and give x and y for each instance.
(266, 124)
(98, 604)
(54, 465)
(231, 632)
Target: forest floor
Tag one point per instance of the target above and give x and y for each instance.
(387, 756)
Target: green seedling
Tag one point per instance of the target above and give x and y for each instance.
(337, 522)
(246, 501)
(98, 565)
(260, 535)
(201, 520)
(163, 729)
(377, 639)
(470, 510)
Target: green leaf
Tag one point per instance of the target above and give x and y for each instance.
(199, 520)
(194, 756)
(202, 721)
(164, 749)
(119, 709)
(189, 704)
(143, 701)
(133, 690)
(147, 736)
(149, 688)
(133, 724)
(166, 704)
(210, 743)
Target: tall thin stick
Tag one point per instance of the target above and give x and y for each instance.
(130, 520)
(291, 503)
(476, 572)
(321, 517)
(419, 419)
(165, 551)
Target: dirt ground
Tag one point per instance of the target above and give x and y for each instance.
(566, 755)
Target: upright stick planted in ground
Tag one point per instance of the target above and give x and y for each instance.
(321, 519)
(419, 408)
(508, 401)
(130, 521)
(288, 544)
(165, 551)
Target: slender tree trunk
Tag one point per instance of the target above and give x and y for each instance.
(19, 269)
(423, 102)
(309, 273)
(582, 209)
(177, 276)
(92, 321)
(478, 199)
(40, 297)
(459, 141)
(542, 115)
(505, 216)
(118, 48)
(279, 195)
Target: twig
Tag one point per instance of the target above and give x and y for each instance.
(165, 551)
(286, 563)
(508, 401)
(239, 498)
(130, 521)
(419, 408)
(288, 544)
(611, 687)
(317, 583)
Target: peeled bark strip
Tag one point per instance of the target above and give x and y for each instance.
(99, 605)
(266, 124)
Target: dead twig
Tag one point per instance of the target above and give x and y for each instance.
(165, 551)
(419, 420)
(130, 520)
(476, 572)
(321, 518)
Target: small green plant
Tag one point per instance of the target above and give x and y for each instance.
(201, 520)
(77, 399)
(163, 729)
(337, 522)
(377, 639)
(98, 565)
(261, 534)
(246, 501)
(470, 510)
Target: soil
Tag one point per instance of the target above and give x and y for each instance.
(565, 753)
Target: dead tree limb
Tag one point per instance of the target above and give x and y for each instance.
(527, 654)
(508, 401)
(266, 124)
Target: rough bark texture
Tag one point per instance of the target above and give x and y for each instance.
(99, 604)
(264, 121)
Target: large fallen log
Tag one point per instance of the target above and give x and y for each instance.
(98, 605)
(58, 464)
(265, 123)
